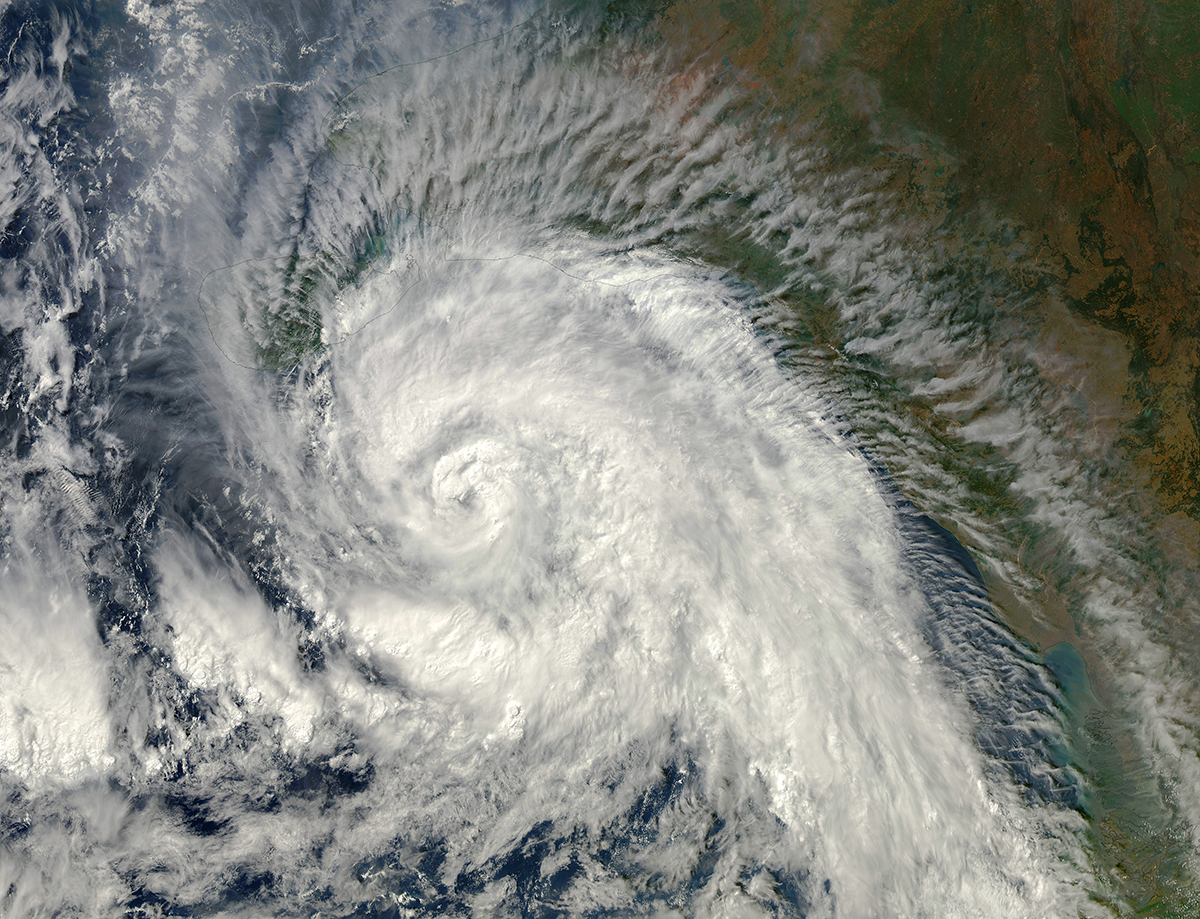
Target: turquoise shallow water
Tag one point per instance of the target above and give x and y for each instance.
(1070, 672)
(468, 460)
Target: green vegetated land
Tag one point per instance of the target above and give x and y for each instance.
(1078, 123)
(1079, 119)
(271, 313)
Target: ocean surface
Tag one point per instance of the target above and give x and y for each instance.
(468, 459)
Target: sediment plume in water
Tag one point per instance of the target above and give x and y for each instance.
(483, 462)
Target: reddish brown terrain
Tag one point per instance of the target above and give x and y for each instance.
(1078, 120)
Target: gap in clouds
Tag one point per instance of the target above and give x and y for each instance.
(210, 730)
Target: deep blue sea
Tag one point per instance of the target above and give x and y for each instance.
(478, 459)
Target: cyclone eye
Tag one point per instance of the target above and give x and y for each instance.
(483, 459)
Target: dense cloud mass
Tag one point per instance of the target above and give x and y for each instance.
(412, 504)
